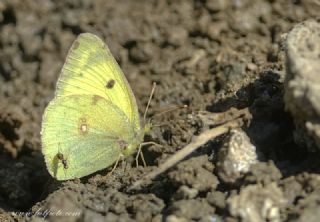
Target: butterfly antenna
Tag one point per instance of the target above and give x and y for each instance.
(149, 101)
(171, 109)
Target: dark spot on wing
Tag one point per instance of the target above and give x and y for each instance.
(110, 84)
(63, 160)
(65, 164)
(75, 45)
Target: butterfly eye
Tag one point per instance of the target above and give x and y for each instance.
(110, 84)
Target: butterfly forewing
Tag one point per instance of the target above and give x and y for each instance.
(90, 69)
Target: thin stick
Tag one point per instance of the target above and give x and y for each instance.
(188, 149)
(150, 97)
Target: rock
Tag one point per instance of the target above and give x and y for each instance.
(302, 84)
(256, 203)
(236, 156)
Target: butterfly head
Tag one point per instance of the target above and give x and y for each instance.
(128, 149)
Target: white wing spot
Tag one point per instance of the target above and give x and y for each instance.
(83, 128)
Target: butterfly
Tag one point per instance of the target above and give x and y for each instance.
(93, 118)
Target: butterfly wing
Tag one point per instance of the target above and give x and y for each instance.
(88, 130)
(94, 115)
(90, 69)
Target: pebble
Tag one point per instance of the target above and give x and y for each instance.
(257, 203)
(302, 84)
(236, 156)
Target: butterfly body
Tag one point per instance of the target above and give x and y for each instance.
(93, 118)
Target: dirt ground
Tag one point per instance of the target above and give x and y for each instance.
(210, 55)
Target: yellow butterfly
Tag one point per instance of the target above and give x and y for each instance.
(93, 119)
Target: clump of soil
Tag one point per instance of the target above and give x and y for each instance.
(209, 55)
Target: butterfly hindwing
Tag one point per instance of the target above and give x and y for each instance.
(89, 139)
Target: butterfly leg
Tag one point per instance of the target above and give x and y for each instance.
(65, 172)
(141, 153)
(115, 165)
(124, 165)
